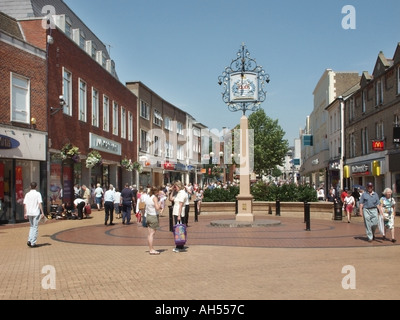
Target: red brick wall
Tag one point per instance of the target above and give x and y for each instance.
(23, 63)
(34, 33)
(63, 128)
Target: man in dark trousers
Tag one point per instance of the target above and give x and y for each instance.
(356, 196)
(127, 198)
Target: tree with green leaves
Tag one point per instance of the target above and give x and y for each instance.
(270, 147)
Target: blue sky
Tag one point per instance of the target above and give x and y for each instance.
(178, 48)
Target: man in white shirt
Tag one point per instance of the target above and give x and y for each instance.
(33, 210)
(109, 197)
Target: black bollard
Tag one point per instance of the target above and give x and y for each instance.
(171, 220)
(236, 207)
(196, 211)
(278, 207)
(269, 209)
(307, 215)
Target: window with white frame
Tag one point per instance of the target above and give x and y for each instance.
(364, 141)
(196, 146)
(82, 39)
(95, 108)
(179, 128)
(378, 92)
(364, 101)
(68, 27)
(352, 145)
(115, 118)
(130, 126)
(169, 150)
(156, 146)
(168, 123)
(144, 141)
(20, 99)
(67, 92)
(104, 60)
(123, 123)
(144, 110)
(351, 109)
(157, 118)
(94, 50)
(106, 114)
(180, 152)
(379, 134)
(82, 100)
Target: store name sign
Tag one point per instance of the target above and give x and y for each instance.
(378, 145)
(103, 144)
(8, 143)
(361, 169)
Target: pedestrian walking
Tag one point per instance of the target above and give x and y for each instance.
(33, 210)
(109, 197)
(128, 198)
(98, 192)
(349, 203)
(179, 207)
(117, 203)
(388, 212)
(152, 217)
(369, 205)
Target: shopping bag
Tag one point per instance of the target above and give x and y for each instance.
(381, 224)
(180, 234)
(88, 209)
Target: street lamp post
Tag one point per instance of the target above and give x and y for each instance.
(244, 82)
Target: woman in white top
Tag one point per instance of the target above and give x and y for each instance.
(178, 210)
(98, 196)
(152, 208)
(349, 203)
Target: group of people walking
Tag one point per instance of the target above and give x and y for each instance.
(377, 212)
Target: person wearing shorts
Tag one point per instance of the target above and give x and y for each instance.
(152, 219)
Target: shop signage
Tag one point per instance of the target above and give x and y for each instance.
(334, 165)
(244, 87)
(8, 143)
(169, 166)
(104, 144)
(378, 145)
(360, 169)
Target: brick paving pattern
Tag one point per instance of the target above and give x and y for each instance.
(92, 261)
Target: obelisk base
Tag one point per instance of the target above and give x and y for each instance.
(245, 208)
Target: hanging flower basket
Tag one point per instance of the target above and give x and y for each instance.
(137, 166)
(69, 151)
(93, 159)
(127, 164)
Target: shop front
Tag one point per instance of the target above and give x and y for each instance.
(22, 160)
(368, 171)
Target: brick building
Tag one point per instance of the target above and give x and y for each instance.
(371, 114)
(23, 122)
(82, 102)
(169, 140)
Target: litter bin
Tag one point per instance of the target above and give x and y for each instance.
(338, 214)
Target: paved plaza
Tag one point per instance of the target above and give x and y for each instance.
(86, 260)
